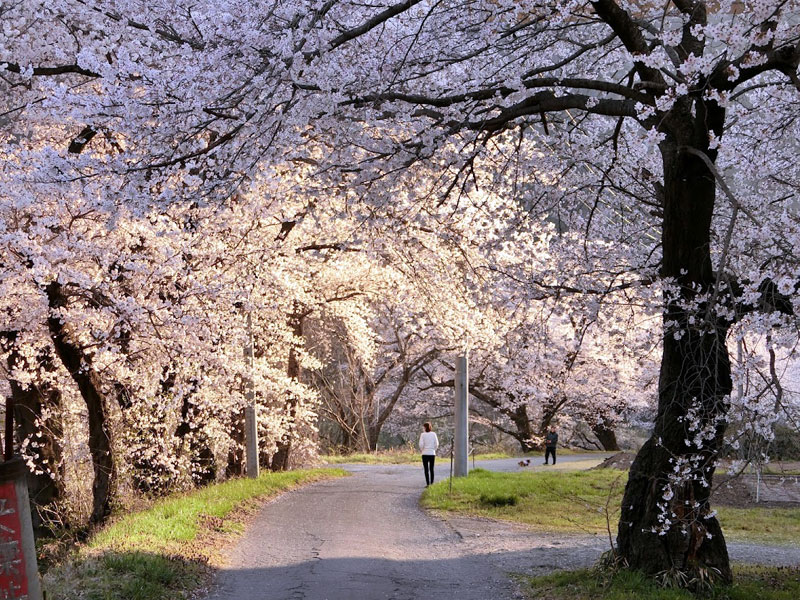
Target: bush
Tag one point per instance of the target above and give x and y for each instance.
(786, 445)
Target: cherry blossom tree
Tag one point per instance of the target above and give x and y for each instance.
(360, 391)
(633, 97)
(657, 139)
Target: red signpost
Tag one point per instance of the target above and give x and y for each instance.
(19, 578)
(13, 583)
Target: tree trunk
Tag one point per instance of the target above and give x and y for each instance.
(31, 404)
(523, 424)
(282, 456)
(201, 457)
(606, 436)
(347, 440)
(522, 432)
(79, 366)
(666, 521)
(235, 466)
(373, 433)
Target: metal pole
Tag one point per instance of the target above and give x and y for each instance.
(451, 467)
(758, 484)
(250, 415)
(462, 417)
(377, 416)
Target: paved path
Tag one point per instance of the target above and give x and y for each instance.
(365, 538)
(357, 538)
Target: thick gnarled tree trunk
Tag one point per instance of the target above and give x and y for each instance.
(666, 522)
(79, 366)
(606, 436)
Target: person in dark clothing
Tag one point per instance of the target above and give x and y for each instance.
(550, 443)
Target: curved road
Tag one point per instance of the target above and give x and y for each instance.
(364, 537)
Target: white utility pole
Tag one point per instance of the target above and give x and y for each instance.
(461, 442)
(250, 416)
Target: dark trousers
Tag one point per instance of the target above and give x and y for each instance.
(427, 464)
(549, 451)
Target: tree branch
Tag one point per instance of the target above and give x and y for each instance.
(629, 34)
(50, 71)
(365, 27)
(785, 60)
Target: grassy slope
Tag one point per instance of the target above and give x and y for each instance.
(162, 552)
(576, 502)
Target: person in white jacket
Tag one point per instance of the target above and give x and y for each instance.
(428, 444)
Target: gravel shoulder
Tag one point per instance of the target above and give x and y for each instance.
(520, 550)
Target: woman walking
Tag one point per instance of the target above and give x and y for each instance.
(428, 443)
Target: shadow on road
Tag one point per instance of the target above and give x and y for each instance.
(368, 578)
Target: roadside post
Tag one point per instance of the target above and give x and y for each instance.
(461, 393)
(250, 414)
(19, 573)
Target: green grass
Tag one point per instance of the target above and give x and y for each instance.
(779, 525)
(781, 470)
(576, 502)
(162, 552)
(489, 456)
(571, 452)
(547, 500)
(750, 583)
(386, 457)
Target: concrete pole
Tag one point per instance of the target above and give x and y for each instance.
(462, 417)
(250, 415)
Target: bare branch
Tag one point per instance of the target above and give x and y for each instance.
(51, 71)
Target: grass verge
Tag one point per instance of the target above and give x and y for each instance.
(547, 501)
(385, 457)
(579, 501)
(750, 583)
(395, 457)
(164, 552)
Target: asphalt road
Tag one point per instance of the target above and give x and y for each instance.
(364, 537)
